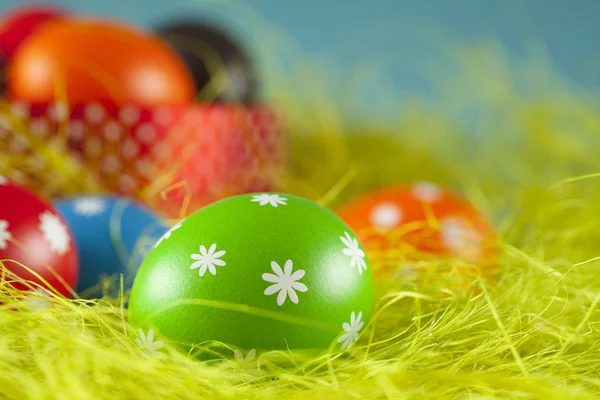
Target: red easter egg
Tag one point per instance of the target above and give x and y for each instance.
(98, 61)
(402, 224)
(19, 23)
(33, 234)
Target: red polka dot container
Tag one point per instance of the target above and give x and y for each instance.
(177, 158)
(402, 226)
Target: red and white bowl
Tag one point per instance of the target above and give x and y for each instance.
(174, 157)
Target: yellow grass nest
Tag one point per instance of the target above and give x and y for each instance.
(528, 156)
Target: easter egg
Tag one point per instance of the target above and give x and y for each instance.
(19, 23)
(113, 235)
(402, 224)
(97, 61)
(259, 271)
(222, 70)
(35, 242)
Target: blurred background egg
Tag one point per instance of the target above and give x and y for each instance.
(400, 226)
(18, 24)
(36, 244)
(113, 235)
(222, 69)
(98, 61)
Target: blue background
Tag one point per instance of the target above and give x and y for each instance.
(401, 37)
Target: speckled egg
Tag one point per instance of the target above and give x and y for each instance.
(260, 271)
(113, 235)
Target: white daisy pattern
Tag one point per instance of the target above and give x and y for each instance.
(353, 250)
(3, 180)
(89, 207)
(168, 233)
(208, 260)
(427, 192)
(38, 299)
(5, 234)
(54, 232)
(284, 282)
(351, 330)
(147, 342)
(239, 357)
(460, 238)
(386, 216)
(274, 200)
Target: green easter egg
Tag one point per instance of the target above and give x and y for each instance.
(259, 271)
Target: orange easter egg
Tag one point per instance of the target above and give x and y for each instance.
(400, 226)
(98, 61)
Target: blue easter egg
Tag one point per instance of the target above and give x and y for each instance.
(113, 235)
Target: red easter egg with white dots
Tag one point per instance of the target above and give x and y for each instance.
(418, 219)
(33, 234)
